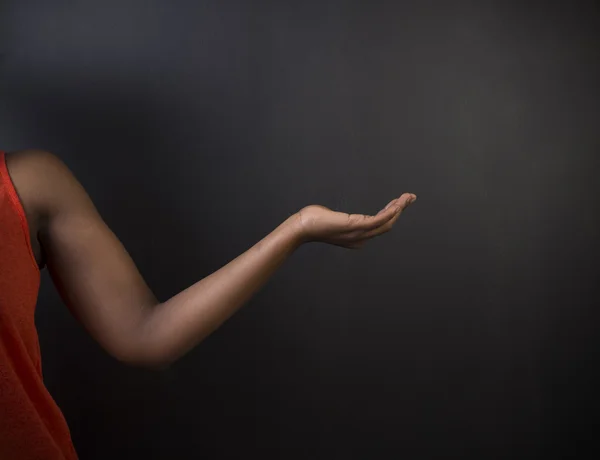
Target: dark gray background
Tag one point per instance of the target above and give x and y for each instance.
(469, 331)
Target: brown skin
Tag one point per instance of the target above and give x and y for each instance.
(99, 282)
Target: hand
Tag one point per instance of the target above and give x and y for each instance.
(318, 223)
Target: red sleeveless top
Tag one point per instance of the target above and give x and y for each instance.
(32, 426)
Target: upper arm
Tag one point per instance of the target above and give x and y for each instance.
(94, 274)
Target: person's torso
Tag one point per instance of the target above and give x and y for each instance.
(31, 424)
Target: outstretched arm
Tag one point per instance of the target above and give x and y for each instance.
(101, 285)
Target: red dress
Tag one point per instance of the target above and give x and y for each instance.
(32, 427)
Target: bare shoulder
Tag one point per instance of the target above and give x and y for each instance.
(43, 182)
(27, 164)
(31, 157)
(32, 172)
(35, 163)
(48, 191)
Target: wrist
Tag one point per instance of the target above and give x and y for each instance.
(296, 229)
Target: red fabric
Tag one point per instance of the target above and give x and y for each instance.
(32, 426)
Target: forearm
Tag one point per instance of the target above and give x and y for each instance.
(173, 327)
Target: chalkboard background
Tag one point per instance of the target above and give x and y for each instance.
(469, 331)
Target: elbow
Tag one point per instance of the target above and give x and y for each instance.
(146, 359)
(147, 349)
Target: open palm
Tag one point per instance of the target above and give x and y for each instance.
(350, 230)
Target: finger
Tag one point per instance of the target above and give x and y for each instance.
(387, 206)
(368, 223)
(405, 200)
(365, 222)
(387, 226)
(382, 228)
